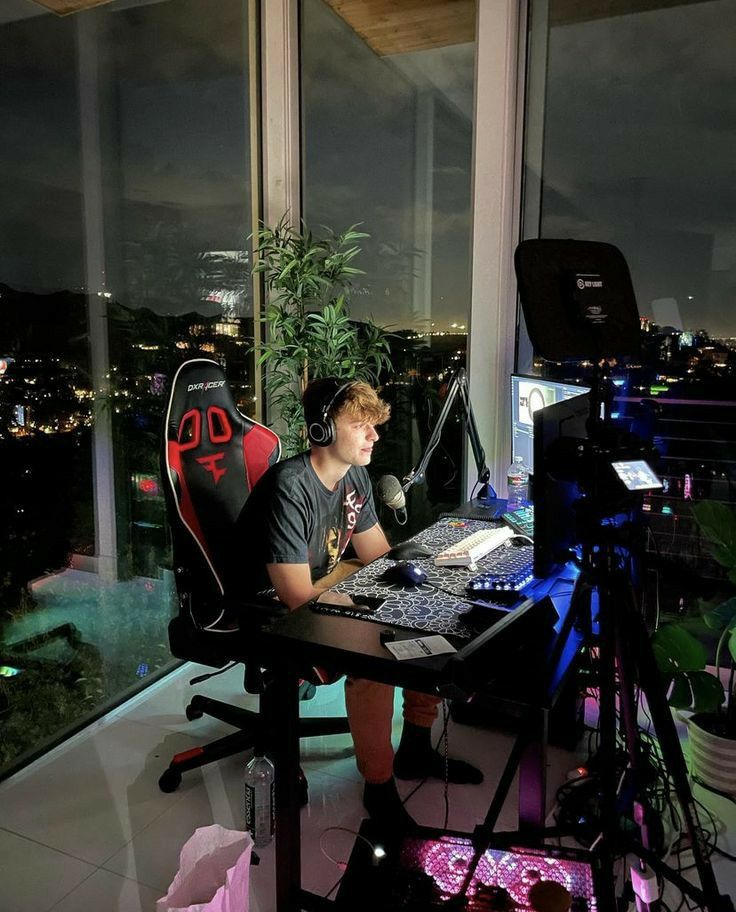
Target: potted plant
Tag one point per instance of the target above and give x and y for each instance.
(682, 656)
(308, 329)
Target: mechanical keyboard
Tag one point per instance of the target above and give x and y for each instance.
(470, 549)
(521, 520)
(508, 569)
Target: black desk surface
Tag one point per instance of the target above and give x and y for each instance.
(508, 659)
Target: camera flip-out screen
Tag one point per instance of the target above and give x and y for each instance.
(636, 474)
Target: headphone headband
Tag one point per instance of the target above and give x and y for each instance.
(341, 387)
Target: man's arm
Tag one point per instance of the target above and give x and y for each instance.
(293, 583)
(370, 544)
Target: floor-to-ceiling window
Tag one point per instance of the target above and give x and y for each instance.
(630, 140)
(387, 128)
(126, 207)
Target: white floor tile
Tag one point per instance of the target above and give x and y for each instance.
(33, 877)
(152, 856)
(107, 892)
(91, 800)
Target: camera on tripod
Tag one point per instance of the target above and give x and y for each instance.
(579, 304)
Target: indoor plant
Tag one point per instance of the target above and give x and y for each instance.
(308, 331)
(682, 656)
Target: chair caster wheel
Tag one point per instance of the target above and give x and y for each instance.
(170, 780)
(193, 714)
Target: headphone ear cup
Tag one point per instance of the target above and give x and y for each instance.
(321, 433)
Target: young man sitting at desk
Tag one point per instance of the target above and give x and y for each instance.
(291, 536)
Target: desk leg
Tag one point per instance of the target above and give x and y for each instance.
(533, 775)
(283, 710)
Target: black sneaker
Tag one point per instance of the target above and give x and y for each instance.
(383, 803)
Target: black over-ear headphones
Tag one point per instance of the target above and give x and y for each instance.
(321, 431)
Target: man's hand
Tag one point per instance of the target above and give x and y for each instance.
(335, 598)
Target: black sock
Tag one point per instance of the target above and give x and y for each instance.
(383, 803)
(415, 759)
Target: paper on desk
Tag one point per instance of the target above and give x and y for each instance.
(420, 648)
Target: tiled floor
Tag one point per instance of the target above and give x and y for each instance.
(86, 829)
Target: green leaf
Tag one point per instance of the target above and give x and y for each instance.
(677, 650)
(717, 522)
(723, 615)
(707, 691)
(681, 695)
(697, 691)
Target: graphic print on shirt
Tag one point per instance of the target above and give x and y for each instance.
(332, 547)
(336, 539)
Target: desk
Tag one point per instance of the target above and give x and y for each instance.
(305, 637)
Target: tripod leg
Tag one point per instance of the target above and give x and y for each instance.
(533, 774)
(645, 886)
(608, 745)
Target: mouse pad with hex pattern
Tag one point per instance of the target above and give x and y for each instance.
(423, 607)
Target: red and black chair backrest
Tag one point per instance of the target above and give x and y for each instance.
(212, 456)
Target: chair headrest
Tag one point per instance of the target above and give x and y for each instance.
(213, 456)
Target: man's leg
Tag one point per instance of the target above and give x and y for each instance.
(415, 758)
(370, 708)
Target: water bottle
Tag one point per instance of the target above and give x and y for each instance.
(517, 481)
(259, 799)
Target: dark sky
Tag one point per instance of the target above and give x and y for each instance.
(641, 150)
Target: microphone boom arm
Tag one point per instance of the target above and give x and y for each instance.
(458, 384)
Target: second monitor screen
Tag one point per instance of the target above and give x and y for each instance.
(527, 395)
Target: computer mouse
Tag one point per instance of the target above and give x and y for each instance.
(404, 573)
(408, 550)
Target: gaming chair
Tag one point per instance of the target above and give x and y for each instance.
(212, 455)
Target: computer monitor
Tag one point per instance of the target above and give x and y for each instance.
(556, 428)
(528, 394)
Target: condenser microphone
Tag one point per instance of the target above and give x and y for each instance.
(390, 493)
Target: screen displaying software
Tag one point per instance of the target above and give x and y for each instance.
(527, 395)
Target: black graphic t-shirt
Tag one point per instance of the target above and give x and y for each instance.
(290, 517)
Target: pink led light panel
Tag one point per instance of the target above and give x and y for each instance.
(446, 861)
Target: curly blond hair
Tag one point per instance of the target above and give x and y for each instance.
(362, 403)
(358, 400)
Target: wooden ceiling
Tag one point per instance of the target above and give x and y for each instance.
(399, 26)
(64, 7)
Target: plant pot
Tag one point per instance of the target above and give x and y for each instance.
(712, 756)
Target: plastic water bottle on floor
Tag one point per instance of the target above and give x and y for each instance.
(517, 482)
(259, 799)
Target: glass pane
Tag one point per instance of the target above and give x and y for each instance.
(126, 209)
(387, 134)
(637, 151)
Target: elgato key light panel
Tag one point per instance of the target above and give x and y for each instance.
(528, 394)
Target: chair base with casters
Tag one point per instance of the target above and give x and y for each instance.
(252, 726)
(252, 730)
